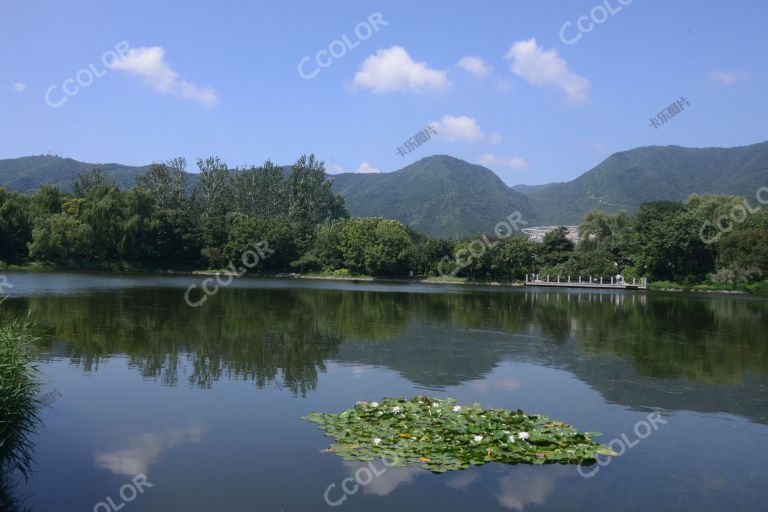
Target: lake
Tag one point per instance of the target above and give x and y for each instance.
(207, 402)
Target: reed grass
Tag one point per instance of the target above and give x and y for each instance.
(19, 389)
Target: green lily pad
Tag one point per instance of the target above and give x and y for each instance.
(442, 436)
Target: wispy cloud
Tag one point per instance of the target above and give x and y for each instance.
(18, 86)
(729, 77)
(453, 128)
(393, 70)
(546, 68)
(511, 162)
(149, 63)
(363, 168)
(474, 66)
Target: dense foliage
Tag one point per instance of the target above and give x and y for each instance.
(19, 387)
(443, 436)
(168, 222)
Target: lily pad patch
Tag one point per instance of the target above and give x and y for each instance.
(441, 435)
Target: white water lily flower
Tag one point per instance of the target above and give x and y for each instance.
(523, 435)
(374, 404)
(396, 409)
(376, 441)
(456, 408)
(477, 439)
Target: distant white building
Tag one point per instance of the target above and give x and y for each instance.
(537, 233)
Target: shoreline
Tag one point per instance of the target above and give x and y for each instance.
(360, 279)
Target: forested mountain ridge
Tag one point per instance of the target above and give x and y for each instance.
(443, 196)
(27, 173)
(440, 196)
(627, 179)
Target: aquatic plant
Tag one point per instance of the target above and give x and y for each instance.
(19, 387)
(443, 436)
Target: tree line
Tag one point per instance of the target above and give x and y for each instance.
(167, 222)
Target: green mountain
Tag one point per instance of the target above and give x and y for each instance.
(438, 195)
(447, 197)
(626, 179)
(529, 189)
(26, 174)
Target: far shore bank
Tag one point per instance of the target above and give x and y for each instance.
(35, 267)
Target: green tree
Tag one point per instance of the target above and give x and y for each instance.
(512, 258)
(47, 200)
(667, 244)
(15, 227)
(167, 183)
(89, 181)
(139, 230)
(261, 191)
(556, 248)
(60, 238)
(311, 200)
(376, 246)
(270, 239)
(212, 197)
(472, 258)
(743, 251)
(102, 210)
(431, 254)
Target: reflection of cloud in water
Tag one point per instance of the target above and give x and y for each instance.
(529, 486)
(389, 480)
(462, 480)
(143, 450)
(505, 384)
(359, 371)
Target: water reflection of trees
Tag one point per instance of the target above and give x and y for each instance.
(9, 500)
(256, 335)
(701, 340)
(286, 335)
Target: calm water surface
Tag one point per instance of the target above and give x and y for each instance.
(207, 402)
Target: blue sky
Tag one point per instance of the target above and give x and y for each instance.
(496, 78)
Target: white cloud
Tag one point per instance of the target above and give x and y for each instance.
(392, 70)
(451, 129)
(728, 77)
(474, 65)
(513, 162)
(19, 87)
(364, 168)
(149, 63)
(546, 68)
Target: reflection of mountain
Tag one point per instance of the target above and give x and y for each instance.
(637, 350)
(674, 352)
(433, 355)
